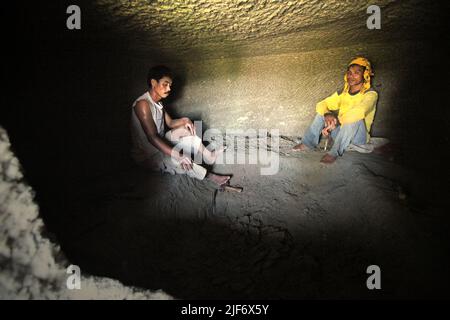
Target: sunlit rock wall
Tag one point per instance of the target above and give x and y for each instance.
(281, 91)
(265, 64)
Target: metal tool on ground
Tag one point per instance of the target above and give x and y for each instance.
(327, 142)
(230, 188)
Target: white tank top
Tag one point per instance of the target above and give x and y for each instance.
(142, 149)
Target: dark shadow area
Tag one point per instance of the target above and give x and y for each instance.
(421, 140)
(68, 102)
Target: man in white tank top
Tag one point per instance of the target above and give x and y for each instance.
(155, 149)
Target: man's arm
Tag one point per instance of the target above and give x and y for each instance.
(142, 110)
(329, 104)
(176, 123)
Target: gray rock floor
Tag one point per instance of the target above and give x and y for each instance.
(309, 231)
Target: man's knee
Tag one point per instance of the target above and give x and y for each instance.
(189, 144)
(176, 134)
(319, 118)
(351, 126)
(317, 124)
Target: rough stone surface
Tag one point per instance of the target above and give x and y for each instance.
(29, 265)
(260, 64)
(197, 30)
(280, 91)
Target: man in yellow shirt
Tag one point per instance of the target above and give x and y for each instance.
(347, 115)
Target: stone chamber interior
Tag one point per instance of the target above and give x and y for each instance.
(311, 230)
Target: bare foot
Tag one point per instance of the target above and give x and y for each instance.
(328, 158)
(217, 179)
(300, 147)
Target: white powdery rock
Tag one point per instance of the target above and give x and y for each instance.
(28, 269)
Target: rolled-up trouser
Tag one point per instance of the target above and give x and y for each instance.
(188, 144)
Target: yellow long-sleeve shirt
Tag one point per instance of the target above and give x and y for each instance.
(351, 107)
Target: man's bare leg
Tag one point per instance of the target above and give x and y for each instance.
(217, 179)
(300, 147)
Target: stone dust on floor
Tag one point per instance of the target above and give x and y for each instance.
(309, 231)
